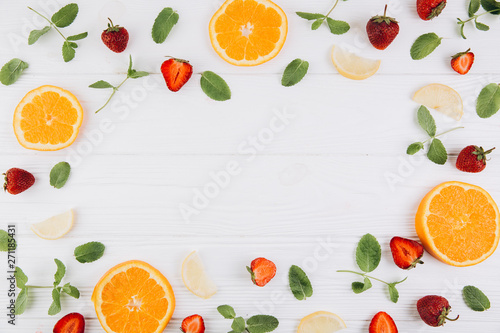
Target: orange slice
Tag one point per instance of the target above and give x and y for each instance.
(458, 223)
(248, 32)
(47, 118)
(133, 297)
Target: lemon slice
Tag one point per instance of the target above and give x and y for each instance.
(441, 98)
(321, 322)
(195, 278)
(54, 227)
(353, 66)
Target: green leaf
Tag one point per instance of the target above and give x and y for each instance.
(393, 292)
(337, 27)
(6, 241)
(79, 36)
(368, 253)
(316, 24)
(474, 7)
(426, 121)
(437, 152)
(414, 148)
(299, 283)
(359, 287)
(491, 6)
(101, 85)
(424, 45)
(214, 86)
(55, 307)
(262, 324)
(21, 301)
(294, 72)
(475, 299)
(12, 70)
(89, 252)
(21, 278)
(488, 102)
(164, 23)
(71, 290)
(481, 26)
(59, 174)
(226, 311)
(137, 74)
(61, 271)
(310, 16)
(65, 16)
(36, 34)
(238, 325)
(68, 52)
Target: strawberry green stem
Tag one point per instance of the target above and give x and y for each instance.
(370, 277)
(52, 24)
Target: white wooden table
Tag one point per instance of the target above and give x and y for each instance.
(305, 196)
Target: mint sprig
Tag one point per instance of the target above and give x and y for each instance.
(336, 27)
(491, 6)
(61, 19)
(254, 324)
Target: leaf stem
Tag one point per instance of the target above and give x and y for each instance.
(331, 10)
(371, 277)
(448, 131)
(115, 89)
(472, 18)
(52, 24)
(45, 287)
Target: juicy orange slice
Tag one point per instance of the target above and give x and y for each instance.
(47, 118)
(133, 297)
(248, 32)
(458, 223)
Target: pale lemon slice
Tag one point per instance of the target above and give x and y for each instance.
(195, 278)
(321, 322)
(441, 98)
(54, 227)
(353, 66)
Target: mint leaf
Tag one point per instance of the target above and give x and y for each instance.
(55, 307)
(473, 7)
(36, 34)
(68, 51)
(101, 85)
(214, 86)
(21, 301)
(437, 152)
(65, 16)
(299, 283)
(393, 292)
(426, 121)
(368, 253)
(59, 174)
(414, 148)
(316, 24)
(481, 26)
(61, 271)
(491, 6)
(238, 325)
(6, 241)
(12, 70)
(226, 311)
(89, 252)
(424, 45)
(475, 299)
(262, 324)
(21, 278)
(310, 16)
(71, 290)
(294, 72)
(337, 27)
(488, 102)
(132, 73)
(164, 23)
(79, 36)
(359, 287)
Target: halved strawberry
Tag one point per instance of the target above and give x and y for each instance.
(382, 323)
(406, 252)
(462, 62)
(193, 324)
(262, 271)
(70, 323)
(176, 73)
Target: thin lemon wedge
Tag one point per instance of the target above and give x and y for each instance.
(442, 99)
(321, 322)
(195, 278)
(353, 66)
(54, 227)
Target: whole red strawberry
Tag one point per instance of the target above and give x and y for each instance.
(70, 323)
(406, 252)
(429, 9)
(382, 30)
(17, 180)
(115, 37)
(262, 271)
(176, 73)
(462, 62)
(193, 324)
(382, 323)
(434, 310)
(472, 159)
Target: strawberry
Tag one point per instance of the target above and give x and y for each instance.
(176, 73)
(406, 252)
(382, 323)
(262, 271)
(193, 324)
(472, 159)
(382, 30)
(17, 180)
(115, 37)
(434, 310)
(429, 9)
(70, 323)
(462, 62)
